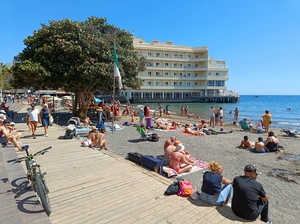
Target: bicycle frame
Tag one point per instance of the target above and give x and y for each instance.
(35, 176)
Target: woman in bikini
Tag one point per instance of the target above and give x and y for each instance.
(179, 162)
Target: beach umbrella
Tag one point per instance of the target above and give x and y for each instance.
(97, 100)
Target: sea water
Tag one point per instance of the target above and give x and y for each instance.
(285, 110)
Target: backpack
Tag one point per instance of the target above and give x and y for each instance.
(185, 189)
(173, 188)
(154, 138)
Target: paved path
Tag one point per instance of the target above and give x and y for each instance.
(88, 186)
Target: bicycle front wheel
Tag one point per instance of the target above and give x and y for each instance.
(42, 193)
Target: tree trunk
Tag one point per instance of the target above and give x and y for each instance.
(82, 101)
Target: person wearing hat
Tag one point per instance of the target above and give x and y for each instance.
(100, 118)
(33, 115)
(3, 114)
(179, 162)
(5, 130)
(212, 190)
(249, 197)
(100, 142)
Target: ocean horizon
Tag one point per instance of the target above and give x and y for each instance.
(251, 107)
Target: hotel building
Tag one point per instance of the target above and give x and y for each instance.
(180, 73)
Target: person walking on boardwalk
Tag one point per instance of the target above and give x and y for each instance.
(33, 115)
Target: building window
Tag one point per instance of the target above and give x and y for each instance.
(188, 84)
(157, 83)
(166, 64)
(180, 83)
(209, 73)
(149, 64)
(180, 56)
(149, 53)
(175, 65)
(189, 56)
(196, 66)
(166, 55)
(196, 74)
(180, 74)
(175, 83)
(188, 74)
(175, 55)
(149, 73)
(180, 65)
(217, 73)
(157, 54)
(166, 74)
(210, 83)
(157, 73)
(166, 83)
(220, 83)
(149, 83)
(196, 83)
(189, 65)
(175, 74)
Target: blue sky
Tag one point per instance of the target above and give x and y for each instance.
(259, 39)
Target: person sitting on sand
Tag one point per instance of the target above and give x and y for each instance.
(258, 128)
(271, 143)
(175, 125)
(202, 125)
(188, 130)
(245, 124)
(169, 142)
(259, 146)
(212, 191)
(90, 140)
(246, 143)
(179, 162)
(170, 148)
(100, 142)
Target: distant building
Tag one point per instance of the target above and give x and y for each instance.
(178, 73)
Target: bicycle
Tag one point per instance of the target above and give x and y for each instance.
(35, 176)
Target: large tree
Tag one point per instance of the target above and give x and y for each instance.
(77, 56)
(5, 77)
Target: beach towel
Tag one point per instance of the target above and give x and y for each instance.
(199, 165)
(116, 127)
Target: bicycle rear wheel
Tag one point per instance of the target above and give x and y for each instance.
(42, 193)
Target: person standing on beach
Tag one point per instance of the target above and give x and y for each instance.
(182, 110)
(266, 120)
(249, 197)
(221, 116)
(236, 116)
(212, 116)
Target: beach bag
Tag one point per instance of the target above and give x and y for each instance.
(154, 137)
(173, 188)
(51, 120)
(185, 189)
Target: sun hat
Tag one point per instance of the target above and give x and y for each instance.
(2, 111)
(2, 116)
(94, 128)
(12, 123)
(251, 169)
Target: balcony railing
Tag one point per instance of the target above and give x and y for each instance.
(173, 57)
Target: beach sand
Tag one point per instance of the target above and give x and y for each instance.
(282, 190)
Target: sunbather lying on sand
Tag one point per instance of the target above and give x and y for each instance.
(187, 129)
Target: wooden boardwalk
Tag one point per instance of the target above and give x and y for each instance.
(89, 186)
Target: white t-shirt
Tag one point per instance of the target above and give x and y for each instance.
(34, 115)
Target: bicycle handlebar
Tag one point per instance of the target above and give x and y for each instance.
(18, 160)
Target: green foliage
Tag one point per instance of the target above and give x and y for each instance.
(77, 56)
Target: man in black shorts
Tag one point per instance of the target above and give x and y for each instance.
(249, 197)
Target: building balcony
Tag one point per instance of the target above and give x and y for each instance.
(217, 77)
(177, 68)
(174, 58)
(172, 87)
(172, 77)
